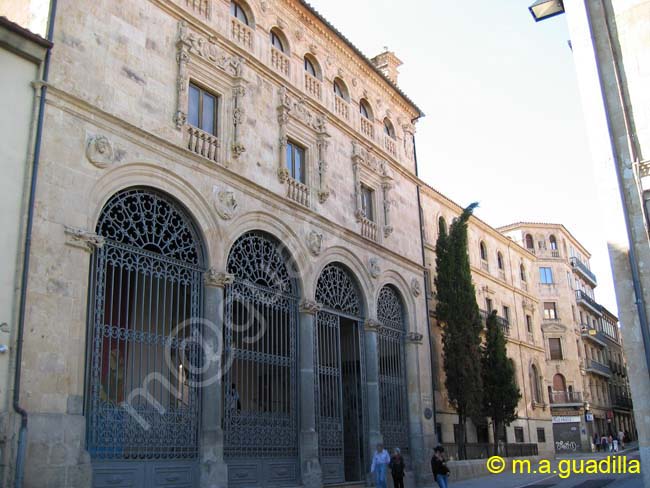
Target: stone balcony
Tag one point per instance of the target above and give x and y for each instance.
(279, 61)
(201, 143)
(342, 108)
(368, 228)
(580, 268)
(241, 34)
(367, 128)
(390, 146)
(313, 86)
(565, 398)
(298, 192)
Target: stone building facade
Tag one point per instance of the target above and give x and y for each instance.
(584, 367)
(503, 275)
(227, 284)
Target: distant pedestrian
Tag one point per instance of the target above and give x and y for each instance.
(621, 440)
(615, 444)
(597, 441)
(380, 462)
(610, 442)
(397, 468)
(439, 467)
(603, 443)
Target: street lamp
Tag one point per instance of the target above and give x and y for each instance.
(545, 9)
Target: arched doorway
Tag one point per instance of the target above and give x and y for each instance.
(143, 399)
(393, 401)
(340, 377)
(260, 350)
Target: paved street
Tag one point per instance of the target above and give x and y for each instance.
(509, 480)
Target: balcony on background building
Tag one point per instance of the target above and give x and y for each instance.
(586, 301)
(279, 61)
(565, 398)
(583, 271)
(342, 108)
(241, 34)
(501, 321)
(367, 128)
(594, 335)
(621, 401)
(617, 368)
(390, 146)
(595, 367)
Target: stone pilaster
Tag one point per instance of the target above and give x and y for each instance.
(309, 464)
(372, 386)
(214, 472)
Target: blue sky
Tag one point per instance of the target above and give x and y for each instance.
(503, 124)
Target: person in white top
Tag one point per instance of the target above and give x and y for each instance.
(380, 462)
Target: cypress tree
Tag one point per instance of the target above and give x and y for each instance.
(500, 391)
(458, 313)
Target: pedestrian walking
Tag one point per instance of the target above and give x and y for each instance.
(621, 440)
(615, 444)
(380, 462)
(397, 468)
(603, 443)
(439, 467)
(610, 442)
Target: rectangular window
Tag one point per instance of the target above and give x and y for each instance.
(506, 313)
(555, 348)
(488, 305)
(202, 109)
(367, 199)
(550, 312)
(519, 434)
(529, 324)
(545, 275)
(541, 435)
(296, 161)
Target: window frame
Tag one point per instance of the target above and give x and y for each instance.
(235, 9)
(276, 37)
(541, 439)
(389, 129)
(365, 110)
(500, 262)
(546, 273)
(292, 148)
(554, 309)
(558, 341)
(368, 203)
(203, 91)
(483, 251)
(314, 71)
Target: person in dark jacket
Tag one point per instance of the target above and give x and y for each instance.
(438, 467)
(397, 468)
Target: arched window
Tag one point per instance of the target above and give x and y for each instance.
(276, 40)
(364, 109)
(553, 242)
(312, 67)
(260, 339)
(483, 250)
(340, 90)
(389, 130)
(393, 404)
(237, 11)
(499, 260)
(559, 384)
(147, 283)
(522, 272)
(530, 244)
(442, 225)
(535, 384)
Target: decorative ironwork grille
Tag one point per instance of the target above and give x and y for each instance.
(260, 340)
(340, 386)
(392, 372)
(146, 304)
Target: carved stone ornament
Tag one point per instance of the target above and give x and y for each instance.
(313, 48)
(414, 337)
(388, 230)
(315, 242)
(218, 279)
(281, 23)
(416, 287)
(99, 151)
(209, 50)
(82, 239)
(299, 34)
(310, 306)
(225, 204)
(373, 267)
(371, 324)
(264, 6)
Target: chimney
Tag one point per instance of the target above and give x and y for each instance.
(387, 63)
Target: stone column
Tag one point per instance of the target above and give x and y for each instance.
(214, 472)
(309, 464)
(420, 398)
(372, 387)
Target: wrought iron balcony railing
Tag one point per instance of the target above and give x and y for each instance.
(565, 397)
(585, 272)
(621, 401)
(585, 300)
(598, 368)
(501, 321)
(593, 334)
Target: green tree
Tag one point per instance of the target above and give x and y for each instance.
(500, 391)
(458, 313)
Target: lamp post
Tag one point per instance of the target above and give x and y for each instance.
(545, 9)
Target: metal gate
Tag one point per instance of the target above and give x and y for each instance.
(340, 385)
(143, 400)
(260, 341)
(393, 404)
